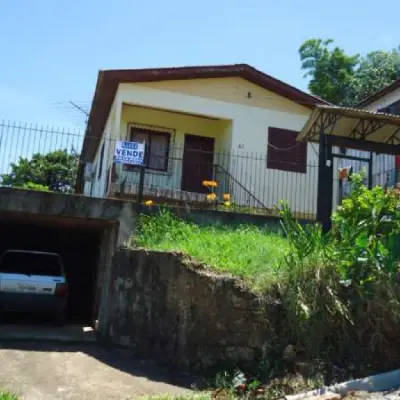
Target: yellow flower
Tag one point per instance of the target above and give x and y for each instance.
(149, 203)
(210, 183)
(227, 197)
(227, 204)
(211, 196)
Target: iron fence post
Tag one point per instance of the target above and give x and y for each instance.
(141, 183)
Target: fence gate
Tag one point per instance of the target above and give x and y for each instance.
(343, 164)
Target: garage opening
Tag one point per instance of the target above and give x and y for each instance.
(77, 241)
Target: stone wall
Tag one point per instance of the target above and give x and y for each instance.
(169, 308)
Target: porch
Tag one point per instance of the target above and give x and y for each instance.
(181, 152)
(184, 150)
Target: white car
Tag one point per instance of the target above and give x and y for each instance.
(33, 282)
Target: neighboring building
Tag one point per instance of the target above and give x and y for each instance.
(386, 101)
(384, 167)
(228, 123)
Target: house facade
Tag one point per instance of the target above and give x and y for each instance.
(232, 124)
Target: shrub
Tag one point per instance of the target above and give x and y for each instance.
(342, 296)
(366, 227)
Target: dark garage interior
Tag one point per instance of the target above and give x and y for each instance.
(78, 242)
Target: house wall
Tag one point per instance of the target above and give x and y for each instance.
(231, 90)
(243, 130)
(97, 186)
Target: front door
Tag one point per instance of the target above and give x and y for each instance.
(198, 158)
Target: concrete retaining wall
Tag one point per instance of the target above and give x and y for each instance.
(177, 312)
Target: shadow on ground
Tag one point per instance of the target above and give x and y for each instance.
(117, 358)
(99, 363)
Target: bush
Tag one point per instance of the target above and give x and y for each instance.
(366, 227)
(342, 296)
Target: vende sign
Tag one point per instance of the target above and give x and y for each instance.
(131, 153)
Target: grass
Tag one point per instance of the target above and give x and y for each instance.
(246, 251)
(5, 395)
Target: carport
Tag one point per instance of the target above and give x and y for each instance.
(84, 231)
(76, 240)
(347, 128)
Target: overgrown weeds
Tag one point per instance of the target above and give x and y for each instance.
(245, 251)
(339, 291)
(342, 294)
(5, 395)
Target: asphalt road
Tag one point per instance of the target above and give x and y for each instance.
(44, 371)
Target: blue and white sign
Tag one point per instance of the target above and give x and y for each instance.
(131, 153)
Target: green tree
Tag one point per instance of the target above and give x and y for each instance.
(55, 171)
(377, 70)
(331, 70)
(346, 79)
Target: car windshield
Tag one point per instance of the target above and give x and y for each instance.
(26, 263)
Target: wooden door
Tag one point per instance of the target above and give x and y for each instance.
(198, 158)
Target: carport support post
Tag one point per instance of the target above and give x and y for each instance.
(325, 183)
(370, 172)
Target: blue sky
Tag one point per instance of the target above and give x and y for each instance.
(51, 51)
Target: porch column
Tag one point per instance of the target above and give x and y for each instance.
(325, 183)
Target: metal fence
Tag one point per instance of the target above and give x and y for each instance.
(45, 157)
(23, 148)
(222, 180)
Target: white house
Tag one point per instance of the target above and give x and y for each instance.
(232, 124)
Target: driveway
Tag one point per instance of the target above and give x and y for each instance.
(43, 371)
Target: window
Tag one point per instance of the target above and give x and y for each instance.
(284, 152)
(157, 147)
(31, 263)
(101, 161)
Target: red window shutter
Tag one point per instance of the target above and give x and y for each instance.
(284, 152)
(398, 162)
